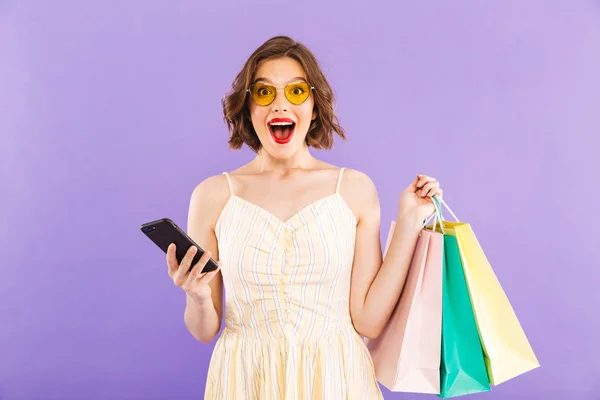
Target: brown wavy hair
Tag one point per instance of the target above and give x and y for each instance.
(235, 104)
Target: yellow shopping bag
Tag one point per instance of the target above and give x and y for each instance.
(507, 352)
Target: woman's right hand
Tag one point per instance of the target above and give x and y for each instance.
(194, 282)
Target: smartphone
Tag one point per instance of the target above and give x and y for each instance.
(163, 232)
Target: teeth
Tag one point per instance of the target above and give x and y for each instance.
(281, 123)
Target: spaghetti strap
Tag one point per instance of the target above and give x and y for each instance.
(229, 182)
(337, 189)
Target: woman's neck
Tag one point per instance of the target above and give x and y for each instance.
(264, 162)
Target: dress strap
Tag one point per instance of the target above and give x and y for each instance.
(337, 189)
(229, 182)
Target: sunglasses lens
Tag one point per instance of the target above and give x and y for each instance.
(262, 93)
(297, 93)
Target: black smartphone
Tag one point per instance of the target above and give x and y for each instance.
(163, 232)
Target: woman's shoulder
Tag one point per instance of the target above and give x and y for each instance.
(210, 196)
(351, 177)
(357, 182)
(359, 192)
(352, 182)
(214, 186)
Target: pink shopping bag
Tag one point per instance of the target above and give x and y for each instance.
(407, 353)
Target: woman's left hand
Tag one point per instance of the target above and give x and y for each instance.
(417, 200)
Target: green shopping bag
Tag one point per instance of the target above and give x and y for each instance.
(462, 369)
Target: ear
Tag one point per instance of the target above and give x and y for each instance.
(314, 115)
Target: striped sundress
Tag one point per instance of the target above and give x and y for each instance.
(288, 333)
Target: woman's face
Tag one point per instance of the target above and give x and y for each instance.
(282, 126)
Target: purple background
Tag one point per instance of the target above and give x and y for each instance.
(110, 115)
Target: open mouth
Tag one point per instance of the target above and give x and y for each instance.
(282, 130)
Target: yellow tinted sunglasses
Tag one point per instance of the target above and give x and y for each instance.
(264, 94)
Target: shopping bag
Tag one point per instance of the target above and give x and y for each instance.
(463, 369)
(507, 352)
(406, 355)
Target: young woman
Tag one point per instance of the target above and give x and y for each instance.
(297, 242)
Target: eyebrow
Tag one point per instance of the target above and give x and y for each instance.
(296, 79)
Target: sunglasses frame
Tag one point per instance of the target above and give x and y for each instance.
(311, 87)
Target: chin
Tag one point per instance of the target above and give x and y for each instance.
(282, 152)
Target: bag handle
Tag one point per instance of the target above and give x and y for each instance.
(440, 200)
(437, 216)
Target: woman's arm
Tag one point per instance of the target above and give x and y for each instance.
(376, 285)
(203, 316)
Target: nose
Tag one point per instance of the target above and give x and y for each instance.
(280, 103)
